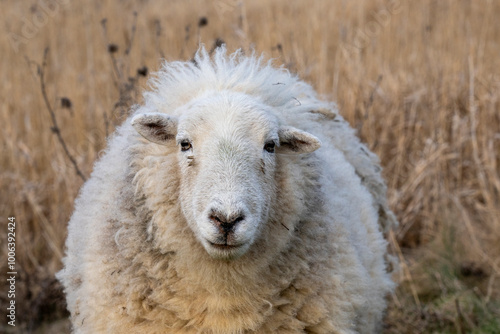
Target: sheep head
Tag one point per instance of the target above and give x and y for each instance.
(228, 144)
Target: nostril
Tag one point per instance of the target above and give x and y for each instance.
(237, 219)
(216, 218)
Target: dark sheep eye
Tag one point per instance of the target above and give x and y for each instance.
(269, 147)
(185, 145)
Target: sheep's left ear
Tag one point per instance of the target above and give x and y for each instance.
(295, 141)
(156, 127)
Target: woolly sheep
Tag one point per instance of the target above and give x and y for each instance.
(233, 201)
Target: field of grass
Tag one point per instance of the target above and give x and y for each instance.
(419, 80)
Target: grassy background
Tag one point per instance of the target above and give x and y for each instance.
(420, 80)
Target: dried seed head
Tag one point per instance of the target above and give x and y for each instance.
(143, 71)
(66, 103)
(112, 48)
(218, 42)
(202, 22)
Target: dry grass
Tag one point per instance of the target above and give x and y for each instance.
(420, 80)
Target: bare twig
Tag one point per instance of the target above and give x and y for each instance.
(372, 95)
(132, 35)
(187, 37)
(158, 31)
(126, 86)
(112, 48)
(405, 269)
(202, 22)
(463, 320)
(106, 123)
(481, 175)
(55, 127)
(368, 104)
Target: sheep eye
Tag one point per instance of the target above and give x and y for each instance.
(185, 145)
(269, 147)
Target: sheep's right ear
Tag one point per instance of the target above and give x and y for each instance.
(295, 141)
(156, 127)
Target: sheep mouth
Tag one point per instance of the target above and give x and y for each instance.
(224, 246)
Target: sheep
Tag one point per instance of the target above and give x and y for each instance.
(233, 200)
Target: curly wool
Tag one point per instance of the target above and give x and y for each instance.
(133, 264)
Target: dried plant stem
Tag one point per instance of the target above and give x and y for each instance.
(473, 134)
(55, 127)
(126, 85)
(116, 70)
(404, 267)
(132, 35)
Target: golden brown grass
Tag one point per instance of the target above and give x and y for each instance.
(420, 80)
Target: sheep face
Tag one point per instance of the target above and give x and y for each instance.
(227, 146)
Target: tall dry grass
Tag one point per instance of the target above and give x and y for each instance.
(419, 80)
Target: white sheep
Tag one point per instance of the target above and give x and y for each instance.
(211, 212)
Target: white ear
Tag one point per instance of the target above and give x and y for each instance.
(156, 127)
(295, 141)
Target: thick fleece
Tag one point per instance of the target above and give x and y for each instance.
(309, 255)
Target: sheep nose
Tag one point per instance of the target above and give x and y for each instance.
(225, 222)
